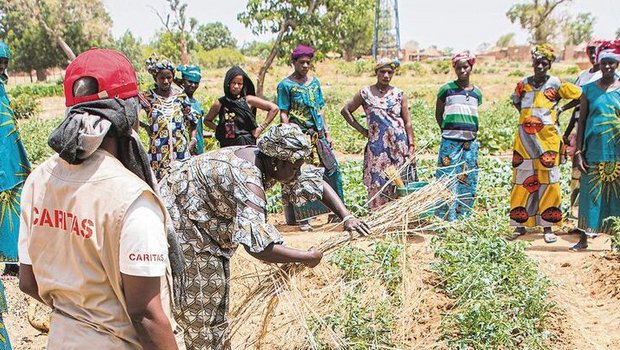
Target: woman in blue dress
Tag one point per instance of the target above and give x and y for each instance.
(598, 147)
(14, 169)
(301, 102)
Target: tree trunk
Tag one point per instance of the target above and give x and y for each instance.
(348, 55)
(41, 74)
(65, 48)
(260, 80)
(184, 55)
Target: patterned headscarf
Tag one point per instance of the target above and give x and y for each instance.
(387, 62)
(191, 73)
(594, 43)
(464, 56)
(285, 142)
(302, 50)
(541, 51)
(609, 50)
(4, 50)
(156, 63)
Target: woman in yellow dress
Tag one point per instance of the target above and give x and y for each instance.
(535, 196)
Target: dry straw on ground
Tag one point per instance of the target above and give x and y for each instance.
(287, 306)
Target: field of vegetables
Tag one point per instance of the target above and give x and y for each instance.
(497, 297)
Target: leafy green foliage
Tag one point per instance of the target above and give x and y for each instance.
(613, 225)
(501, 300)
(256, 49)
(219, 58)
(25, 106)
(34, 133)
(538, 18)
(579, 29)
(37, 90)
(131, 47)
(367, 326)
(215, 35)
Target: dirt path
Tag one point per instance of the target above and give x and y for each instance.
(585, 290)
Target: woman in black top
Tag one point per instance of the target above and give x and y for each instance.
(237, 111)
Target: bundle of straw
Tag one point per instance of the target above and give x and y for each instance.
(404, 215)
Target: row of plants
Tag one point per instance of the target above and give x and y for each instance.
(361, 325)
(501, 301)
(37, 90)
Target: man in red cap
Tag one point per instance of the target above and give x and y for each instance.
(92, 242)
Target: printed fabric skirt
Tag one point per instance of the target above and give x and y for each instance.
(5, 344)
(599, 196)
(9, 223)
(535, 198)
(322, 156)
(460, 159)
(204, 315)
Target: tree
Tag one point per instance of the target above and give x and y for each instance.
(48, 33)
(505, 40)
(482, 48)
(537, 18)
(580, 29)
(351, 26)
(256, 49)
(322, 21)
(215, 35)
(131, 47)
(179, 26)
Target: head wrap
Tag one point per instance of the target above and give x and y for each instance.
(608, 50)
(302, 50)
(191, 73)
(285, 142)
(541, 51)
(593, 43)
(4, 50)
(156, 63)
(248, 85)
(387, 62)
(464, 56)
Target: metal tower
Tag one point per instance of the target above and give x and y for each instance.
(386, 39)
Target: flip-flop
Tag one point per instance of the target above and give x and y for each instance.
(579, 246)
(550, 237)
(514, 235)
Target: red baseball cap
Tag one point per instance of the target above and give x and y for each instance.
(114, 73)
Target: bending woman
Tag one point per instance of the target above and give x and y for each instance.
(535, 195)
(237, 111)
(390, 135)
(456, 112)
(598, 147)
(217, 202)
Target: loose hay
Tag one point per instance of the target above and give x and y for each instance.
(294, 301)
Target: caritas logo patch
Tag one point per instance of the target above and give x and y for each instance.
(63, 220)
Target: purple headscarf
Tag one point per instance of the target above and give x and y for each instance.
(302, 50)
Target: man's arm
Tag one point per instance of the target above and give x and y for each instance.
(146, 312)
(28, 283)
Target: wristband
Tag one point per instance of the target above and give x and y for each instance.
(347, 218)
(578, 152)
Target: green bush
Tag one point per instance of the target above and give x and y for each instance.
(516, 73)
(498, 124)
(501, 299)
(220, 58)
(37, 90)
(415, 67)
(25, 106)
(34, 133)
(441, 67)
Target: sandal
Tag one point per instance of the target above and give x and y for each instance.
(519, 231)
(581, 245)
(305, 227)
(550, 237)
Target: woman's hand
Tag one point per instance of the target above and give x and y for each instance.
(314, 257)
(192, 145)
(256, 132)
(411, 150)
(357, 225)
(582, 165)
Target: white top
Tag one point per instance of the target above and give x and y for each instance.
(143, 244)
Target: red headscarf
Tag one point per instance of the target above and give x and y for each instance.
(464, 56)
(608, 49)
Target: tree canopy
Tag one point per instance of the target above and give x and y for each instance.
(215, 35)
(579, 29)
(538, 18)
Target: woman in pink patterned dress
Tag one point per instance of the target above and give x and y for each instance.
(390, 135)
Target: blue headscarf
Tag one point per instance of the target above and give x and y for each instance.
(191, 73)
(4, 50)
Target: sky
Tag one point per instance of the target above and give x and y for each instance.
(461, 25)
